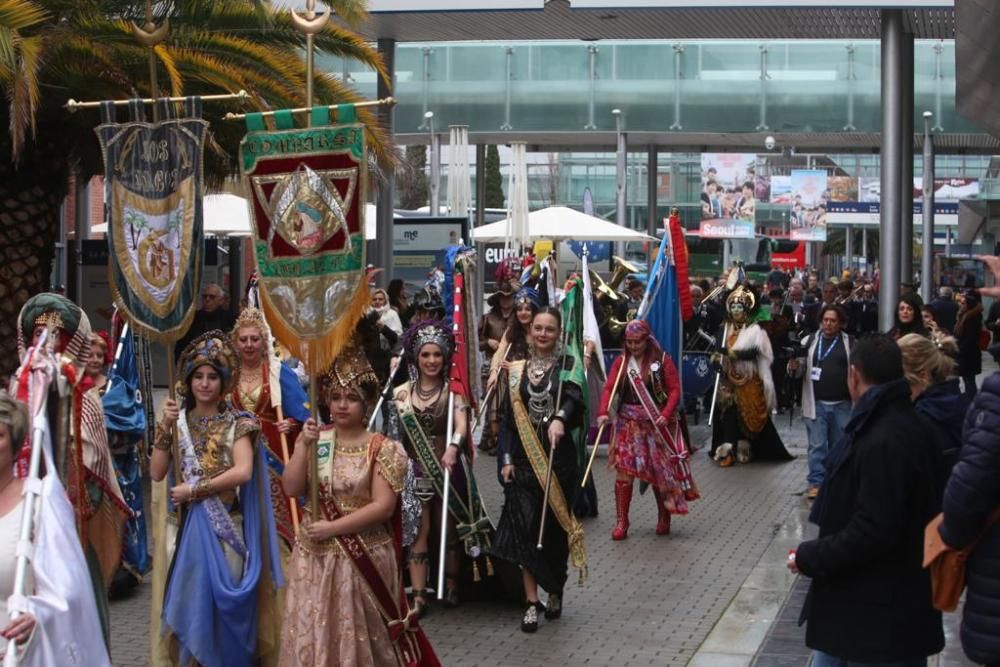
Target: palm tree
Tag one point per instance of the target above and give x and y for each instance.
(55, 50)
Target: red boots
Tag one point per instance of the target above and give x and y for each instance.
(623, 499)
(662, 515)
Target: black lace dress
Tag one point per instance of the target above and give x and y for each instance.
(517, 530)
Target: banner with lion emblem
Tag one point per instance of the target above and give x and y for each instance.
(307, 197)
(153, 195)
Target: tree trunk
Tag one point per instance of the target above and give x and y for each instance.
(29, 223)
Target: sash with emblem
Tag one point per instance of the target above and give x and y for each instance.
(307, 196)
(152, 186)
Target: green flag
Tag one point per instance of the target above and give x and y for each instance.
(573, 369)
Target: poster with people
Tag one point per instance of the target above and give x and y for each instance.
(808, 206)
(728, 201)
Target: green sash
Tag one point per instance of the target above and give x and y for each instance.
(472, 525)
(539, 465)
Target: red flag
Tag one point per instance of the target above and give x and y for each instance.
(459, 375)
(679, 246)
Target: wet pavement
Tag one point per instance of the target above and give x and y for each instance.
(715, 592)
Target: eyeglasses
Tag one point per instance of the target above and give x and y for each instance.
(207, 297)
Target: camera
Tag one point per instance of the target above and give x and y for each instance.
(769, 142)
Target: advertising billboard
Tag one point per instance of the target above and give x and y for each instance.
(728, 195)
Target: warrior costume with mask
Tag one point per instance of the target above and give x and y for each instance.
(80, 439)
(222, 567)
(345, 603)
(743, 429)
(254, 391)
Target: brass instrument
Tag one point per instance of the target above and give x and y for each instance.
(841, 300)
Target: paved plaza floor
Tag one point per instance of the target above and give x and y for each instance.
(714, 592)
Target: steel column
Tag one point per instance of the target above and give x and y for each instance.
(906, 177)
(892, 169)
(927, 256)
(621, 167)
(652, 181)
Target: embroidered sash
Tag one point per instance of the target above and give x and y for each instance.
(401, 622)
(674, 442)
(539, 465)
(472, 525)
(222, 523)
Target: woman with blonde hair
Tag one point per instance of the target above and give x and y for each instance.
(930, 368)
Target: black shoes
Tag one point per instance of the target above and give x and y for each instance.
(530, 621)
(553, 609)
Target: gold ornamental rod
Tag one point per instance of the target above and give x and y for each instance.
(387, 101)
(73, 105)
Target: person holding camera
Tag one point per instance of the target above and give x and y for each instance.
(826, 401)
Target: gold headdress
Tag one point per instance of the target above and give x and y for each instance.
(213, 349)
(743, 296)
(352, 370)
(251, 317)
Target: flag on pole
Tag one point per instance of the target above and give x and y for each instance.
(460, 380)
(152, 189)
(663, 305)
(573, 369)
(591, 330)
(307, 196)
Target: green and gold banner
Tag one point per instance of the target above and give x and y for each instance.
(152, 187)
(307, 197)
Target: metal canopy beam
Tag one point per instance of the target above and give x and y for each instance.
(744, 19)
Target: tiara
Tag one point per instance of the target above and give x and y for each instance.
(251, 317)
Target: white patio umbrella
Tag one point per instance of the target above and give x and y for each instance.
(228, 215)
(560, 223)
(224, 215)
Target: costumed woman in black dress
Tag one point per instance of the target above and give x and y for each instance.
(537, 416)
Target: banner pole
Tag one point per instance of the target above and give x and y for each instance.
(385, 101)
(309, 25)
(150, 35)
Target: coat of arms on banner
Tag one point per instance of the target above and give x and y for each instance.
(153, 180)
(307, 205)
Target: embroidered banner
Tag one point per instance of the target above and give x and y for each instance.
(307, 197)
(153, 176)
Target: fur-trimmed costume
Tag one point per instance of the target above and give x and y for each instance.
(743, 426)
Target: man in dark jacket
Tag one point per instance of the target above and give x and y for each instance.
(945, 308)
(869, 601)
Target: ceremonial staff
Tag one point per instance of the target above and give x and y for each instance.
(600, 430)
(385, 392)
(730, 284)
(552, 446)
(486, 399)
(444, 501)
(39, 395)
(309, 25)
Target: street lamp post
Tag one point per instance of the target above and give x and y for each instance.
(620, 167)
(927, 256)
(435, 148)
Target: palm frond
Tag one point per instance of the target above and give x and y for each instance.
(24, 100)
